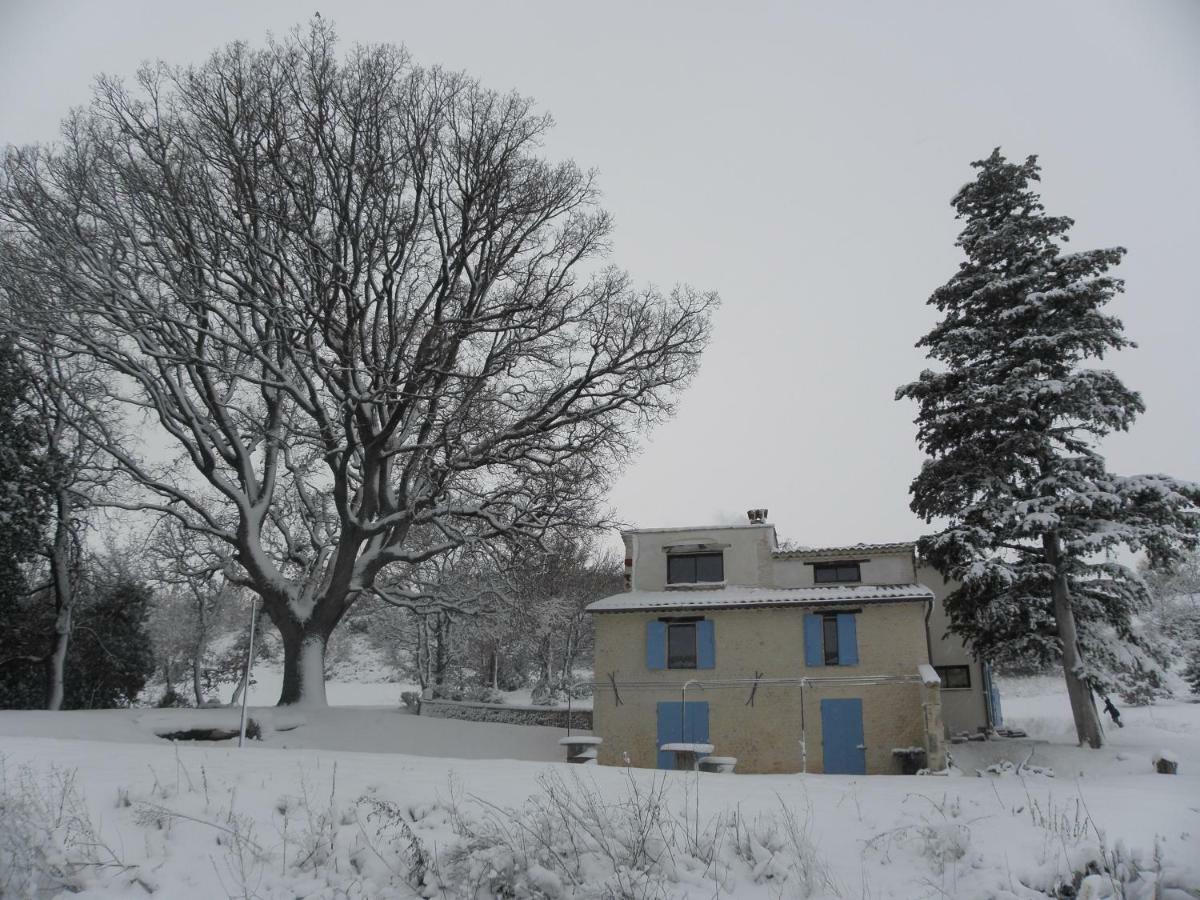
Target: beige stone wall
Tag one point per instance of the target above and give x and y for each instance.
(765, 737)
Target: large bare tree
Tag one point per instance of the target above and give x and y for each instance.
(373, 323)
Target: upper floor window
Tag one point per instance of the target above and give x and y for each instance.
(688, 642)
(827, 573)
(681, 645)
(695, 568)
(831, 639)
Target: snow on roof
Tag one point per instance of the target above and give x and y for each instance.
(895, 547)
(735, 595)
(735, 526)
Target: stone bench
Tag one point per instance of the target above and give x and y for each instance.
(687, 756)
(719, 764)
(582, 748)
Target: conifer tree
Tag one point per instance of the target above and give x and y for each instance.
(23, 507)
(1010, 425)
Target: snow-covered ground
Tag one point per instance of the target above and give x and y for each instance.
(469, 809)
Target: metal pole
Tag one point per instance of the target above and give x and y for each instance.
(683, 712)
(249, 660)
(803, 736)
(569, 692)
(683, 735)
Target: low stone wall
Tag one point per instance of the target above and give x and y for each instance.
(581, 719)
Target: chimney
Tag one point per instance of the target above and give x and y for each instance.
(756, 516)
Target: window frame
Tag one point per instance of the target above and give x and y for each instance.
(836, 566)
(943, 674)
(694, 558)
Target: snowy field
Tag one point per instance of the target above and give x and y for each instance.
(374, 802)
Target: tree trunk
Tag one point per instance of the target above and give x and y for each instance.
(304, 666)
(56, 664)
(198, 652)
(196, 687)
(422, 655)
(237, 691)
(64, 599)
(1087, 721)
(440, 663)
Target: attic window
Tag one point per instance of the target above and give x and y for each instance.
(695, 568)
(836, 572)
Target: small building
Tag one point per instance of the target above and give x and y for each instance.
(816, 660)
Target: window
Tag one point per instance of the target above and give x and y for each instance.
(954, 676)
(695, 568)
(826, 573)
(831, 639)
(681, 645)
(830, 633)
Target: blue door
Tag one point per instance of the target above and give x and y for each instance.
(842, 741)
(677, 725)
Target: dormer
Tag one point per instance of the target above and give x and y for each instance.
(866, 564)
(659, 559)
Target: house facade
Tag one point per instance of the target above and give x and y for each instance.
(817, 660)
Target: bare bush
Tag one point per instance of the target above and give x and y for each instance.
(48, 843)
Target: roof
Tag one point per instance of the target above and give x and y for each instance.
(737, 596)
(714, 528)
(805, 552)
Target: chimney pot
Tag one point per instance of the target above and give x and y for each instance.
(756, 516)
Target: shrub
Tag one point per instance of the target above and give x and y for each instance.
(172, 699)
(47, 840)
(1191, 670)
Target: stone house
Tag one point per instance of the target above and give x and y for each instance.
(816, 660)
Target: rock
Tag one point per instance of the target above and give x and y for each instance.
(1166, 763)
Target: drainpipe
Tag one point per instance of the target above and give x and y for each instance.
(803, 736)
(928, 639)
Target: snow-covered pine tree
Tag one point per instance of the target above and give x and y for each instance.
(1010, 425)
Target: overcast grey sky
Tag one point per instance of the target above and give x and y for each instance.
(799, 159)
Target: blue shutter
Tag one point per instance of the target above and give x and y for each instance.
(814, 644)
(706, 645)
(656, 645)
(847, 640)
